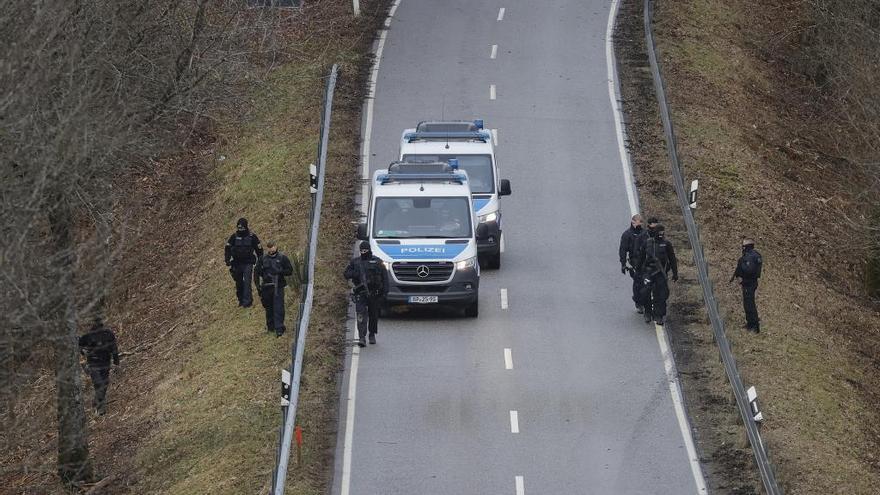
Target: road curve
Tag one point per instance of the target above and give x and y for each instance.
(558, 387)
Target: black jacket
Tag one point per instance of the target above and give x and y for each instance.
(629, 245)
(272, 269)
(99, 347)
(658, 257)
(749, 266)
(244, 249)
(367, 273)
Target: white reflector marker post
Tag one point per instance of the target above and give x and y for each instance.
(285, 388)
(692, 197)
(313, 179)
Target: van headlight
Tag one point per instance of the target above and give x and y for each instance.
(490, 217)
(387, 265)
(466, 264)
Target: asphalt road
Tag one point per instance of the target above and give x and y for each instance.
(561, 390)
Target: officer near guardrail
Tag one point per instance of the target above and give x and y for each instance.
(658, 259)
(748, 271)
(99, 348)
(628, 254)
(241, 252)
(368, 276)
(269, 275)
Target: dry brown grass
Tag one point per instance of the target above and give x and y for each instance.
(744, 132)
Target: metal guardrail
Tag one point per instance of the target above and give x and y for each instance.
(742, 400)
(279, 474)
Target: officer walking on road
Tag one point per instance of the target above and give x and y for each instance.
(241, 252)
(748, 270)
(658, 259)
(269, 276)
(628, 254)
(99, 348)
(368, 276)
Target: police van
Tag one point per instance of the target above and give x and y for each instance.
(471, 145)
(421, 224)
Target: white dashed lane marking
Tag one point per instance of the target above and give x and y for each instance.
(495, 137)
(520, 486)
(491, 91)
(494, 52)
(508, 359)
(501, 14)
(503, 298)
(514, 422)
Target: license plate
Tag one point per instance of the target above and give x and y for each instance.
(423, 299)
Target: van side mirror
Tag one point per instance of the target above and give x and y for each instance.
(504, 190)
(482, 231)
(362, 232)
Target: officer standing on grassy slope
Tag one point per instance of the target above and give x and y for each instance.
(241, 252)
(368, 276)
(269, 276)
(658, 260)
(628, 253)
(748, 270)
(99, 347)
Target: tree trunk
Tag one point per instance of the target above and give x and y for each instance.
(74, 464)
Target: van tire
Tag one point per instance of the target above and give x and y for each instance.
(472, 310)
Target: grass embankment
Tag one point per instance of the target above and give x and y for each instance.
(195, 406)
(221, 408)
(744, 131)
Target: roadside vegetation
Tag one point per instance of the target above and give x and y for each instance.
(194, 407)
(776, 112)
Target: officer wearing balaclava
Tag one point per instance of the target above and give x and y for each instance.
(241, 253)
(658, 260)
(748, 270)
(369, 286)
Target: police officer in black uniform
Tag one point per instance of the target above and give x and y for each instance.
(269, 276)
(241, 252)
(99, 348)
(748, 270)
(367, 273)
(658, 259)
(628, 254)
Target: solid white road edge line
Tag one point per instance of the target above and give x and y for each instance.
(678, 400)
(514, 422)
(501, 13)
(491, 91)
(662, 337)
(365, 174)
(508, 358)
(503, 298)
(617, 111)
(494, 52)
(520, 486)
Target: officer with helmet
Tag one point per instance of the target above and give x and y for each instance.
(368, 277)
(657, 260)
(240, 254)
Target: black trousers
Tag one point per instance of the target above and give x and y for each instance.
(367, 309)
(101, 381)
(638, 281)
(243, 275)
(272, 298)
(654, 295)
(749, 287)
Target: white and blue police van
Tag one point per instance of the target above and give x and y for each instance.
(421, 224)
(470, 144)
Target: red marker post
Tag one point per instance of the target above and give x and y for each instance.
(298, 432)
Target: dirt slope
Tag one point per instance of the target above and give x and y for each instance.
(748, 131)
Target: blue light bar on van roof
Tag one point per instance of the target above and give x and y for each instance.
(453, 163)
(399, 178)
(478, 123)
(480, 135)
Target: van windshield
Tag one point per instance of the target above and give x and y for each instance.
(418, 217)
(478, 168)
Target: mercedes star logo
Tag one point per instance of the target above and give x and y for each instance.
(422, 271)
